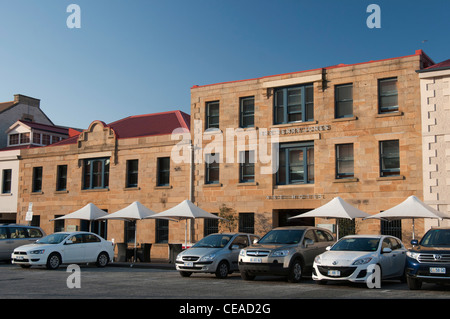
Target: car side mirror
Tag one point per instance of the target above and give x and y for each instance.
(328, 248)
(386, 250)
(414, 242)
(308, 242)
(255, 241)
(234, 247)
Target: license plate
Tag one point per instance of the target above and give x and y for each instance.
(255, 260)
(437, 270)
(189, 264)
(334, 273)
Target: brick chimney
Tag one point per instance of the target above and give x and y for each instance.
(23, 99)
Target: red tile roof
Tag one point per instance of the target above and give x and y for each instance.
(143, 125)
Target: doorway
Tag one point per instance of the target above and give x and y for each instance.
(281, 218)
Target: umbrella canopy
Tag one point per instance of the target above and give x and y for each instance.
(185, 210)
(336, 208)
(410, 208)
(88, 212)
(134, 211)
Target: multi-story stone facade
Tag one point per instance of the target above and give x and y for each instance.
(352, 131)
(435, 93)
(110, 166)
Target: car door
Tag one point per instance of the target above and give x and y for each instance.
(241, 241)
(398, 258)
(309, 251)
(93, 247)
(4, 245)
(387, 259)
(324, 239)
(74, 249)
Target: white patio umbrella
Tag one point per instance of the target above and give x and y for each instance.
(410, 208)
(133, 212)
(336, 208)
(185, 210)
(89, 212)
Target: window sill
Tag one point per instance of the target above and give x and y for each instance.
(6, 194)
(383, 115)
(248, 184)
(37, 193)
(391, 178)
(61, 192)
(346, 180)
(281, 125)
(131, 188)
(213, 185)
(344, 119)
(163, 187)
(95, 190)
(293, 186)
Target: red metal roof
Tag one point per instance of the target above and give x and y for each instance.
(143, 125)
(438, 66)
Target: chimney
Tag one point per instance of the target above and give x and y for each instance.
(23, 99)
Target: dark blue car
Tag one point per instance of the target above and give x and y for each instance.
(429, 260)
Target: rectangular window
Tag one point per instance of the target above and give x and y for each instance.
(129, 231)
(296, 163)
(247, 223)
(246, 167)
(37, 180)
(132, 173)
(210, 226)
(212, 168)
(294, 104)
(389, 158)
(61, 178)
(36, 138)
(6, 181)
(162, 231)
(343, 100)
(96, 173)
(24, 138)
(344, 161)
(164, 171)
(247, 112)
(212, 115)
(387, 95)
(13, 139)
(46, 139)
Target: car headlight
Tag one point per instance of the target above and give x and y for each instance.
(37, 252)
(318, 259)
(208, 257)
(413, 255)
(242, 253)
(179, 257)
(280, 253)
(362, 261)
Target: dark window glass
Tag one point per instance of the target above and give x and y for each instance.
(37, 179)
(132, 173)
(163, 171)
(294, 104)
(96, 173)
(344, 161)
(344, 100)
(387, 95)
(61, 178)
(6, 181)
(389, 158)
(212, 115)
(247, 111)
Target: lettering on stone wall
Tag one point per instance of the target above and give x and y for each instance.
(302, 196)
(298, 130)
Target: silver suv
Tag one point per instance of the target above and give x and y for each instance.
(285, 251)
(13, 236)
(215, 253)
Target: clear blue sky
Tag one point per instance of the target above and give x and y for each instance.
(142, 56)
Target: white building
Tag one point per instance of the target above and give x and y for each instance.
(435, 99)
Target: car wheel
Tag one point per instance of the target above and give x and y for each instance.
(102, 259)
(222, 270)
(295, 271)
(413, 283)
(185, 273)
(246, 276)
(53, 261)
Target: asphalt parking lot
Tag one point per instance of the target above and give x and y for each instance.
(165, 282)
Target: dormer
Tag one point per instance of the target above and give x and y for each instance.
(23, 133)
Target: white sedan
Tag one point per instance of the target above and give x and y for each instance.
(65, 248)
(349, 259)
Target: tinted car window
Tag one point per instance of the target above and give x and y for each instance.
(436, 238)
(18, 232)
(3, 233)
(323, 235)
(90, 238)
(241, 241)
(282, 236)
(34, 233)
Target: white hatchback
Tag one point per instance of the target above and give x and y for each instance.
(65, 248)
(350, 257)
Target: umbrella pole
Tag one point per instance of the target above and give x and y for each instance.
(413, 227)
(135, 232)
(185, 234)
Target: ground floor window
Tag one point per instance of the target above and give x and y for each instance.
(247, 223)
(162, 231)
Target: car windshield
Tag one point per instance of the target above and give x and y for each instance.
(213, 241)
(282, 236)
(357, 244)
(52, 239)
(436, 238)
